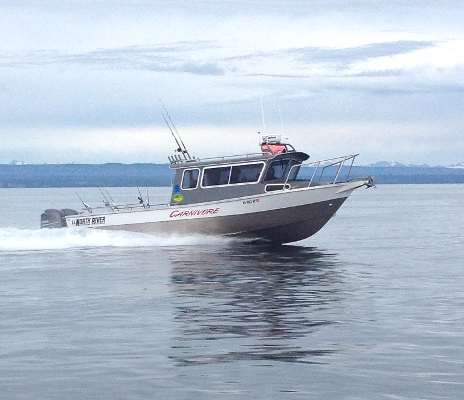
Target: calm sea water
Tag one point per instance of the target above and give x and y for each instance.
(369, 308)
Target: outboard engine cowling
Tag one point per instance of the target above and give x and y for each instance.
(68, 211)
(53, 218)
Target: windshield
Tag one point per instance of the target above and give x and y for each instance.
(276, 169)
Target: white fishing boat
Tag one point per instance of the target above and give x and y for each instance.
(275, 195)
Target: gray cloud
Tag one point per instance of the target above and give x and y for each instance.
(347, 56)
(380, 74)
(188, 57)
(202, 68)
(175, 57)
(338, 61)
(106, 64)
(344, 57)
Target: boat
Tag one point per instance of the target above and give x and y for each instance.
(275, 195)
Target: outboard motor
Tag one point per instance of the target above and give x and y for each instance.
(53, 218)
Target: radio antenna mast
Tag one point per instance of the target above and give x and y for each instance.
(180, 144)
(262, 113)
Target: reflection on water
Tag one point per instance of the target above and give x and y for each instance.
(249, 302)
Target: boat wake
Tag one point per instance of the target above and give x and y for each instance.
(13, 239)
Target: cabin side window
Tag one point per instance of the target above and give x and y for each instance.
(216, 176)
(246, 173)
(190, 178)
(233, 174)
(276, 169)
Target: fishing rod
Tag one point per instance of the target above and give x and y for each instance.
(148, 198)
(142, 200)
(180, 144)
(89, 208)
(112, 201)
(105, 200)
(172, 133)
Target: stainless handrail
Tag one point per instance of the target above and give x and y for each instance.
(340, 161)
(121, 207)
(217, 159)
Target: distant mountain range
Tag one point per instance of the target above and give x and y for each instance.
(458, 165)
(387, 164)
(379, 164)
(19, 174)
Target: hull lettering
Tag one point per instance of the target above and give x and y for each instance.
(193, 213)
(89, 221)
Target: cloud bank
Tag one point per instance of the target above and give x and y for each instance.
(381, 78)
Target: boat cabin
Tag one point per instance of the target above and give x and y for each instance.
(197, 181)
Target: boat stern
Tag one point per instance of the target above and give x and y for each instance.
(52, 218)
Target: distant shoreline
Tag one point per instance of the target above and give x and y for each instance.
(131, 175)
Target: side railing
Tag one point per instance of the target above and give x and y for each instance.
(320, 175)
(179, 161)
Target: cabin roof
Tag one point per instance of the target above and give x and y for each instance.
(178, 162)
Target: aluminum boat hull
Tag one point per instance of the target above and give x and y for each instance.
(281, 216)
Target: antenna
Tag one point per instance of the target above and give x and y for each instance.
(262, 112)
(180, 144)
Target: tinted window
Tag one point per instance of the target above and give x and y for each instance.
(294, 171)
(190, 178)
(246, 173)
(276, 169)
(216, 176)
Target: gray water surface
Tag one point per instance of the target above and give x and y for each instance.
(368, 308)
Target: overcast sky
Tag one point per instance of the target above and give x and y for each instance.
(80, 81)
